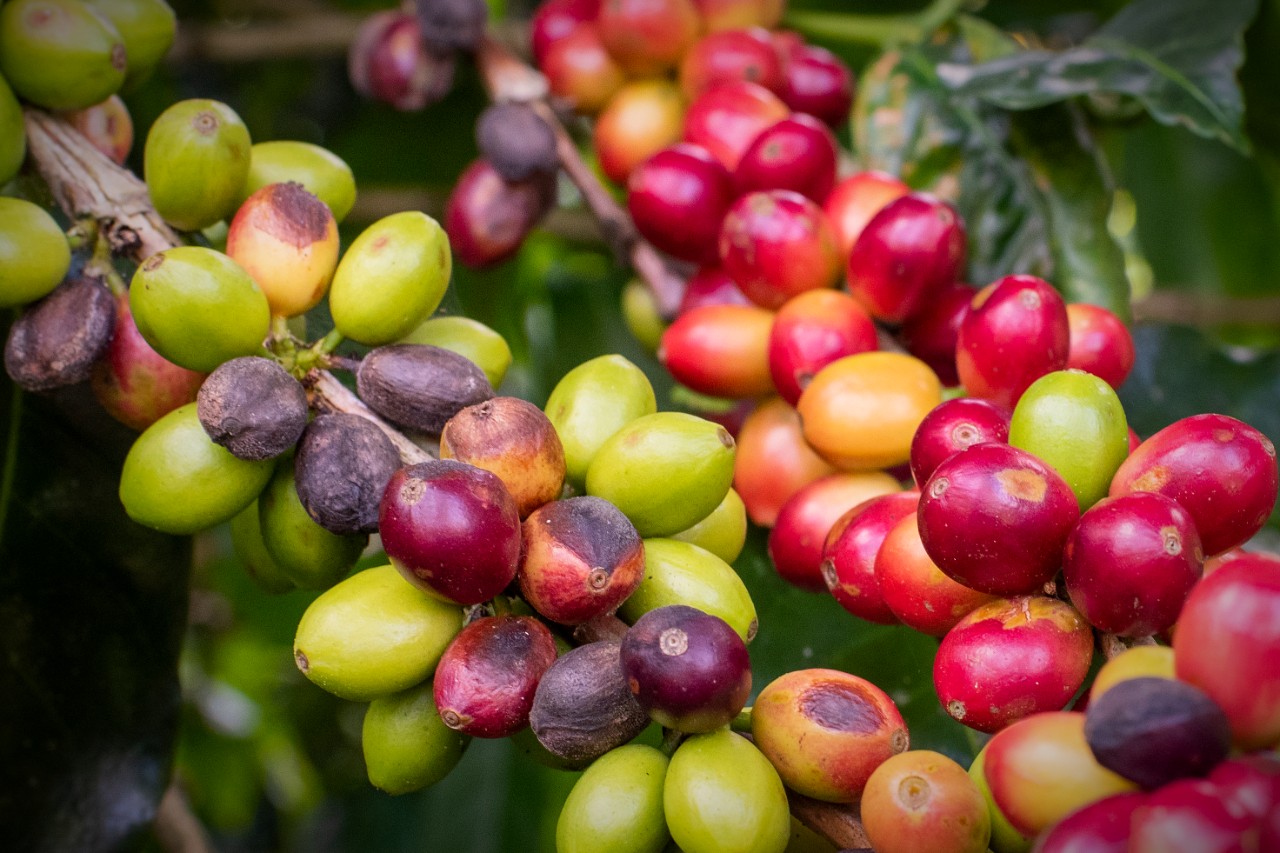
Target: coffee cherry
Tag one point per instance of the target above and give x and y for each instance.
(516, 141)
(1133, 662)
(1004, 837)
(420, 386)
(854, 201)
(513, 439)
(804, 522)
(34, 255)
(914, 589)
(580, 70)
(134, 383)
(647, 36)
(470, 339)
(922, 801)
(583, 707)
(723, 532)
(1101, 827)
(1221, 470)
(57, 341)
(711, 286)
(251, 551)
(665, 471)
(1226, 644)
(451, 529)
(373, 634)
(798, 153)
(931, 335)
(720, 350)
(616, 804)
(1100, 343)
(406, 745)
(729, 55)
(1188, 816)
(681, 573)
(390, 278)
(1040, 770)
(147, 28)
(592, 402)
(580, 559)
(1011, 658)
(389, 62)
(556, 19)
(1015, 332)
(722, 796)
(642, 119)
(60, 54)
(108, 126)
(13, 136)
(484, 683)
(642, 315)
(449, 25)
(826, 731)
(812, 330)
(996, 518)
(303, 551)
(849, 555)
(487, 218)
(1250, 782)
(320, 171)
(343, 464)
(178, 481)
(817, 82)
(952, 426)
(773, 460)
(726, 119)
(860, 411)
(678, 198)
(1130, 563)
(777, 244)
(252, 407)
(195, 162)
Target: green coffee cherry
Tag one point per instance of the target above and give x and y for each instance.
(468, 338)
(666, 471)
(60, 54)
(642, 316)
(308, 555)
(324, 174)
(13, 136)
(34, 255)
(198, 308)
(177, 480)
(1073, 421)
(592, 402)
(680, 573)
(147, 27)
(406, 745)
(723, 532)
(195, 163)
(721, 795)
(246, 541)
(616, 805)
(391, 278)
(373, 634)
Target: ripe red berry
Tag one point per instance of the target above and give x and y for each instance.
(1100, 343)
(798, 154)
(812, 330)
(727, 119)
(817, 82)
(931, 335)
(711, 286)
(855, 200)
(729, 55)
(678, 198)
(952, 426)
(849, 556)
(777, 244)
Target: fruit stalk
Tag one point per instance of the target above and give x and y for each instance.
(839, 824)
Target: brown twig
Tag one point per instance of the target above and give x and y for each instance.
(1201, 310)
(838, 824)
(329, 394)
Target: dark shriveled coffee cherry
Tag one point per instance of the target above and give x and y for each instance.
(252, 407)
(420, 386)
(57, 341)
(342, 468)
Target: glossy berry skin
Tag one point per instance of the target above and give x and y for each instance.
(853, 202)
(485, 681)
(711, 286)
(1130, 563)
(773, 461)
(777, 244)
(580, 71)
(1101, 827)
(647, 36)
(914, 589)
(815, 81)
(995, 518)
(1015, 332)
(826, 731)
(1100, 343)
(642, 118)
(812, 330)
(1188, 816)
(487, 217)
(451, 529)
(798, 154)
(1012, 658)
(909, 251)
(920, 801)
(556, 19)
(952, 426)
(729, 55)
(1227, 643)
(800, 531)
(677, 199)
(1221, 470)
(1250, 782)
(688, 669)
(721, 350)
(931, 335)
(727, 119)
(849, 555)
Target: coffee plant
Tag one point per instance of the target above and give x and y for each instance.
(719, 426)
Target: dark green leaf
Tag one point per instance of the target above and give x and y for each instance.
(1178, 57)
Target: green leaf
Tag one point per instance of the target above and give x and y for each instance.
(1177, 57)
(92, 612)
